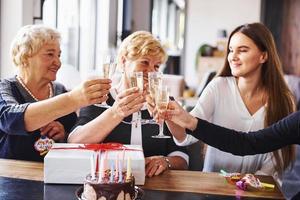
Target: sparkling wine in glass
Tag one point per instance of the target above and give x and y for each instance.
(161, 102)
(154, 81)
(132, 80)
(136, 80)
(107, 69)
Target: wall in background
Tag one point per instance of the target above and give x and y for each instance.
(290, 42)
(205, 18)
(282, 18)
(14, 15)
(141, 15)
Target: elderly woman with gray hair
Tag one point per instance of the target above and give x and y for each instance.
(35, 111)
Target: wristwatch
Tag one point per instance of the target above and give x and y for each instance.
(168, 162)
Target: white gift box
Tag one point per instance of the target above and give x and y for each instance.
(72, 165)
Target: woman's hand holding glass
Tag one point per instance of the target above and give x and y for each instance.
(127, 102)
(176, 114)
(138, 79)
(106, 71)
(90, 92)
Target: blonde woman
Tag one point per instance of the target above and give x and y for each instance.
(32, 105)
(139, 52)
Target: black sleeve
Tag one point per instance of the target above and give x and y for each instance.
(68, 120)
(278, 135)
(87, 114)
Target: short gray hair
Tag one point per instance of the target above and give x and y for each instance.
(29, 41)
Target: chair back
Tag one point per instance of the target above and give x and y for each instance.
(175, 83)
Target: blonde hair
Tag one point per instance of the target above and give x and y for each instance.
(141, 43)
(29, 41)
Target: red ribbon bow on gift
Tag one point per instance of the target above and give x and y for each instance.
(98, 147)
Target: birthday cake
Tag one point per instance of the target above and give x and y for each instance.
(109, 187)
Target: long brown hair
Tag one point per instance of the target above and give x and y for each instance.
(280, 100)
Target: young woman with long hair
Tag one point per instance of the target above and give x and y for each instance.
(249, 94)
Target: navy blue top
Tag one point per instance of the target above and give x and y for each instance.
(15, 142)
(284, 132)
(122, 132)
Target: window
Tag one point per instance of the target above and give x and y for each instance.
(168, 21)
(88, 27)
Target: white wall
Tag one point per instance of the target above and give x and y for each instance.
(205, 17)
(14, 15)
(141, 15)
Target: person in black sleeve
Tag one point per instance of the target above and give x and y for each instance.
(284, 132)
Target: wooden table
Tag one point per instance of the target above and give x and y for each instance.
(172, 181)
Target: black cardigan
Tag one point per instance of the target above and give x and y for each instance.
(122, 132)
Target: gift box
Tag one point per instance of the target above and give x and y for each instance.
(69, 163)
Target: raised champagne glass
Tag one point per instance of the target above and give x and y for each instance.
(161, 103)
(107, 69)
(136, 80)
(154, 81)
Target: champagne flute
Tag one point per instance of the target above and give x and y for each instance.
(107, 69)
(154, 82)
(136, 80)
(161, 103)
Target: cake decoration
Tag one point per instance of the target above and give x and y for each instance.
(109, 183)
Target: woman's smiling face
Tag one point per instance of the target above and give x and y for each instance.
(244, 56)
(46, 62)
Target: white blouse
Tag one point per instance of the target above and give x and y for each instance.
(222, 104)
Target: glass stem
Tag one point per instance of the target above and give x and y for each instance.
(161, 128)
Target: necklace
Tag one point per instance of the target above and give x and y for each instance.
(29, 92)
(43, 144)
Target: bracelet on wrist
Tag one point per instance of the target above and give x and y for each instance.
(168, 162)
